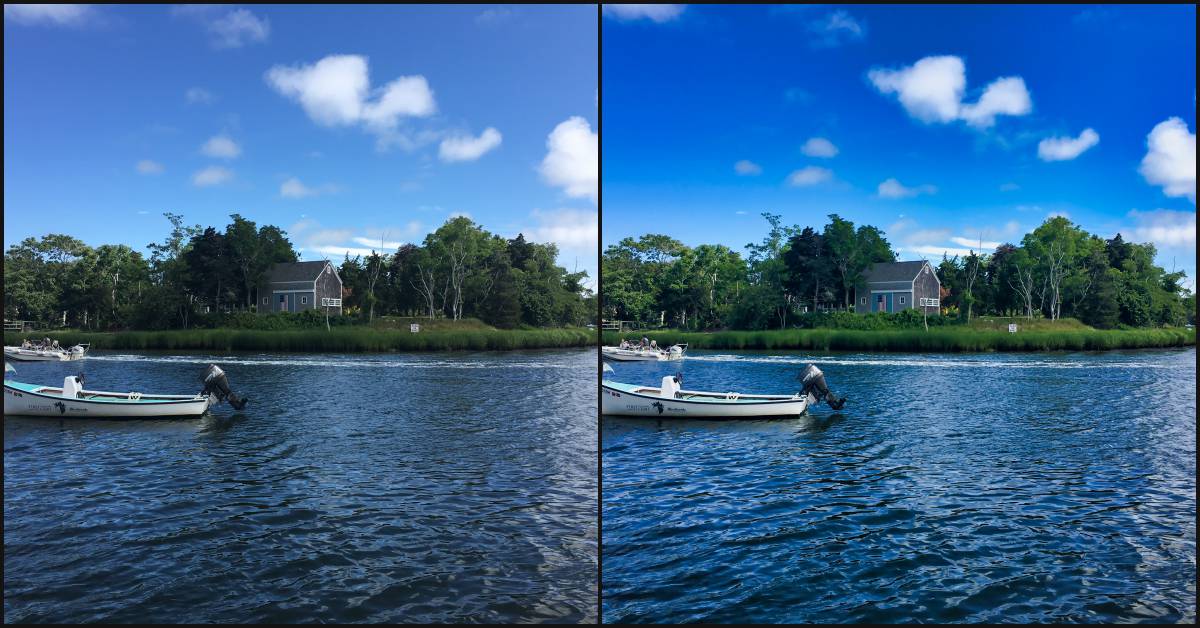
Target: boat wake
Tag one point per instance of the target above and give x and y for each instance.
(919, 361)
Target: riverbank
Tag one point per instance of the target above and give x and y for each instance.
(937, 339)
(345, 339)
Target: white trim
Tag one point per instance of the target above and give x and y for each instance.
(289, 291)
(887, 291)
(930, 302)
(330, 302)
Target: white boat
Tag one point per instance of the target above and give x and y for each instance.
(669, 401)
(42, 354)
(72, 401)
(675, 352)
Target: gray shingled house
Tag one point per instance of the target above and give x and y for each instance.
(895, 286)
(297, 286)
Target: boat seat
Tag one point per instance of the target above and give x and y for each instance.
(71, 387)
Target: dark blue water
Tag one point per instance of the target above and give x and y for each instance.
(416, 488)
(991, 488)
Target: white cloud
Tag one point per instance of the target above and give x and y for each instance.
(655, 12)
(467, 148)
(1166, 228)
(147, 166)
(1170, 159)
(294, 188)
(336, 91)
(310, 237)
(931, 90)
(810, 175)
(976, 244)
(746, 167)
(1067, 148)
(213, 175)
(835, 29)
(198, 95)
(378, 244)
(819, 147)
(572, 160)
(894, 189)
(1005, 96)
(237, 28)
(56, 14)
(222, 147)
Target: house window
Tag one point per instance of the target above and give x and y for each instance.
(901, 300)
(266, 300)
(863, 301)
(304, 300)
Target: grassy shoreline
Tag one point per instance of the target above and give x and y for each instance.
(346, 339)
(936, 340)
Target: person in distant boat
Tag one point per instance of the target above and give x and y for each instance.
(645, 342)
(654, 344)
(25, 344)
(46, 342)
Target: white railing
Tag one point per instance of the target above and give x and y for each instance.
(330, 302)
(930, 302)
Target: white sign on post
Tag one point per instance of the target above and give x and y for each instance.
(1012, 328)
(414, 328)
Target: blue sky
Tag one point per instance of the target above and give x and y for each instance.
(339, 124)
(941, 125)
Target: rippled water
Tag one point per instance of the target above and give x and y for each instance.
(991, 488)
(417, 488)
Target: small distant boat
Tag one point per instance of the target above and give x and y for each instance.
(669, 400)
(72, 401)
(46, 354)
(654, 354)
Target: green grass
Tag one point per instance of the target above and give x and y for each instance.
(345, 339)
(941, 339)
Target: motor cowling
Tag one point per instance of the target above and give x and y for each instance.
(215, 383)
(814, 383)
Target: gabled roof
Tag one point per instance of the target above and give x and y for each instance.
(893, 271)
(296, 271)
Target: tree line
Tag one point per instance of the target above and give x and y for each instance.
(197, 274)
(1057, 270)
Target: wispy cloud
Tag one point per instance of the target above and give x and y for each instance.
(835, 29)
(894, 189)
(746, 167)
(198, 96)
(221, 147)
(658, 13)
(1067, 148)
(819, 147)
(227, 28)
(808, 176)
(147, 166)
(213, 175)
(49, 14)
(294, 188)
(468, 148)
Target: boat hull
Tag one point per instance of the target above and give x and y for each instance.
(34, 355)
(618, 400)
(20, 401)
(634, 355)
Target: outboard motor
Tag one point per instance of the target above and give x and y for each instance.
(814, 384)
(216, 384)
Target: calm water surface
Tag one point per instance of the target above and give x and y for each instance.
(416, 488)
(989, 488)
